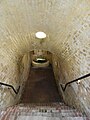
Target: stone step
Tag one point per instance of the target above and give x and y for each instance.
(75, 118)
(54, 111)
(53, 105)
(24, 117)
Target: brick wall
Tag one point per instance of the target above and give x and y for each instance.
(75, 95)
(13, 71)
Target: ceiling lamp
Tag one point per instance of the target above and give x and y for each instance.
(40, 35)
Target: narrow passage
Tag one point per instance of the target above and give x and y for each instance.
(41, 87)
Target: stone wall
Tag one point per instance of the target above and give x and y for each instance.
(76, 94)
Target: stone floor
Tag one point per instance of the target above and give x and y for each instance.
(41, 87)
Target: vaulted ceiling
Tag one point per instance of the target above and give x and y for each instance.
(66, 23)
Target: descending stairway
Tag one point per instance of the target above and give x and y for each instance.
(53, 111)
(41, 87)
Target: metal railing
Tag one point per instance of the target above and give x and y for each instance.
(15, 91)
(80, 78)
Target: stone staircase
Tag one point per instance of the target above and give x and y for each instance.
(53, 111)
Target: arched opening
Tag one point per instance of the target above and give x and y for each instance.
(40, 62)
